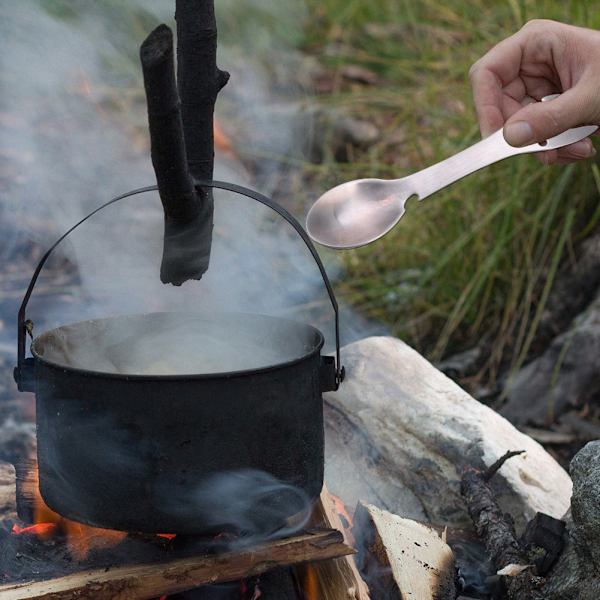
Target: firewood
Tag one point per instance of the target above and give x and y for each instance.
(26, 488)
(403, 558)
(493, 528)
(497, 532)
(8, 507)
(544, 540)
(152, 580)
(336, 579)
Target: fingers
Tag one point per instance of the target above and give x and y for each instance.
(542, 120)
(487, 92)
(489, 75)
(578, 151)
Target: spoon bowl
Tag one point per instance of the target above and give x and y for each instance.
(356, 213)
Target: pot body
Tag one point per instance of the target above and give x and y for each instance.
(140, 453)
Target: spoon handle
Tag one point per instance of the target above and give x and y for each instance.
(479, 155)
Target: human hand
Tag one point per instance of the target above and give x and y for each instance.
(543, 58)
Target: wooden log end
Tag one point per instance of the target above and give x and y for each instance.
(403, 558)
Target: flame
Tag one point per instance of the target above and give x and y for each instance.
(80, 538)
(310, 584)
(42, 530)
(342, 511)
(222, 142)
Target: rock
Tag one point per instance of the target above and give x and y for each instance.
(565, 375)
(462, 364)
(338, 133)
(398, 431)
(577, 573)
(574, 289)
(310, 132)
(585, 503)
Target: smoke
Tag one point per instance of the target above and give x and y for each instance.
(74, 133)
(259, 507)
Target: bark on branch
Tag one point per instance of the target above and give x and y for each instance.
(199, 81)
(181, 133)
(166, 128)
(497, 531)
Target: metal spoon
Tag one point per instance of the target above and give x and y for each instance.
(359, 212)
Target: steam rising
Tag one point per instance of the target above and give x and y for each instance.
(176, 344)
(73, 130)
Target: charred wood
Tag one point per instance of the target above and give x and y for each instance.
(498, 533)
(180, 116)
(199, 81)
(493, 527)
(544, 541)
(166, 128)
(150, 580)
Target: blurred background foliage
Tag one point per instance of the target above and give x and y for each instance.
(474, 264)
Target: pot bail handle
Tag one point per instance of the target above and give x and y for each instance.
(332, 374)
(23, 372)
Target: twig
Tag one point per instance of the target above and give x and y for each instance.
(493, 469)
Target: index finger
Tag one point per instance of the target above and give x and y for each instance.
(489, 75)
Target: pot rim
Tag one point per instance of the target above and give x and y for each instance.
(187, 376)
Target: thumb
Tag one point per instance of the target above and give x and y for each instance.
(539, 121)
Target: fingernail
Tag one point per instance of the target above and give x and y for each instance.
(582, 149)
(518, 133)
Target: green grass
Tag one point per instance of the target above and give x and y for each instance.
(475, 263)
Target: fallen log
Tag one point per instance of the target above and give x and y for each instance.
(402, 558)
(153, 580)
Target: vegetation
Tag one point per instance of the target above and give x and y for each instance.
(474, 264)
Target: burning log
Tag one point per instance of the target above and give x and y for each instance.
(150, 580)
(405, 558)
(336, 579)
(182, 142)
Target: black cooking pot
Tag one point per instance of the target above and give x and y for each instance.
(119, 448)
